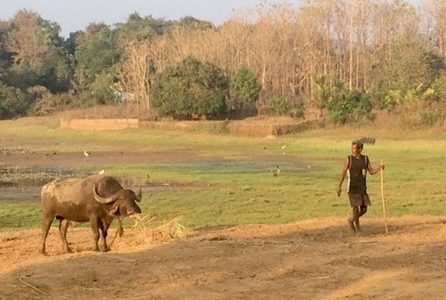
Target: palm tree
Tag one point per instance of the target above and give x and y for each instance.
(322, 93)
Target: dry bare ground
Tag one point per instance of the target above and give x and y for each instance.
(314, 259)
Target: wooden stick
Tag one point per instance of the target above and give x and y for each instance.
(116, 234)
(365, 242)
(382, 197)
(32, 287)
(117, 231)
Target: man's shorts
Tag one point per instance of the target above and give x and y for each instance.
(359, 199)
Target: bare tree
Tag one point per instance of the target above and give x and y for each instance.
(288, 47)
(135, 73)
(26, 39)
(435, 24)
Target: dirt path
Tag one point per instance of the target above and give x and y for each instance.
(314, 259)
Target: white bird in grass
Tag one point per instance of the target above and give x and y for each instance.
(283, 147)
(101, 172)
(87, 153)
(276, 171)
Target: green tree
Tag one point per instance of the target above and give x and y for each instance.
(141, 28)
(189, 90)
(5, 55)
(38, 55)
(96, 51)
(244, 89)
(285, 106)
(72, 41)
(192, 23)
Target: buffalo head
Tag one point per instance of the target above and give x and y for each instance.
(123, 202)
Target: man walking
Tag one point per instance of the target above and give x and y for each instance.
(356, 167)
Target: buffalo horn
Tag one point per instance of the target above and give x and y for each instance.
(104, 200)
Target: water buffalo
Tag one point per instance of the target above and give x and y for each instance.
(96, 198)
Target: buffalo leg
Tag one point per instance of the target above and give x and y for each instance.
(46, 224)
(95, 230)
(63, 227)
(104, 230)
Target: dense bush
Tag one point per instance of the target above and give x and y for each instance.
(98, 92)
(432, 114)
(439, 88)
(45, 102)
(433, 108)
(190, 90)
(347, 105)
(244, 89)
(285, 106)
(13, 102)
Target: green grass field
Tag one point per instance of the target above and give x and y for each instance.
(229, 180)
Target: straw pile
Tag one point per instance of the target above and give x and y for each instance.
(144, 233)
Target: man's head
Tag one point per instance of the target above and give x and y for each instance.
(357, 147)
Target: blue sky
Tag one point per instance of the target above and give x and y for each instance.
(73, 15)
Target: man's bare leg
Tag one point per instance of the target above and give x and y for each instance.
(356, 213)
(362, 211)
(353, 219)
(351, 224)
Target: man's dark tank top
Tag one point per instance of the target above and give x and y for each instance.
(357, 173)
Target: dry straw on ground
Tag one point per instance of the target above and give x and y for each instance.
(144, 233)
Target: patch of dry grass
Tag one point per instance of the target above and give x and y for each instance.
(144, 233)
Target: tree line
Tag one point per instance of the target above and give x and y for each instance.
(348, 60)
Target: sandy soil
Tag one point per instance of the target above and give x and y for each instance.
(313, 259)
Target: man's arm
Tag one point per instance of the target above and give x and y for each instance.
(373, 171)
(343, 173)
